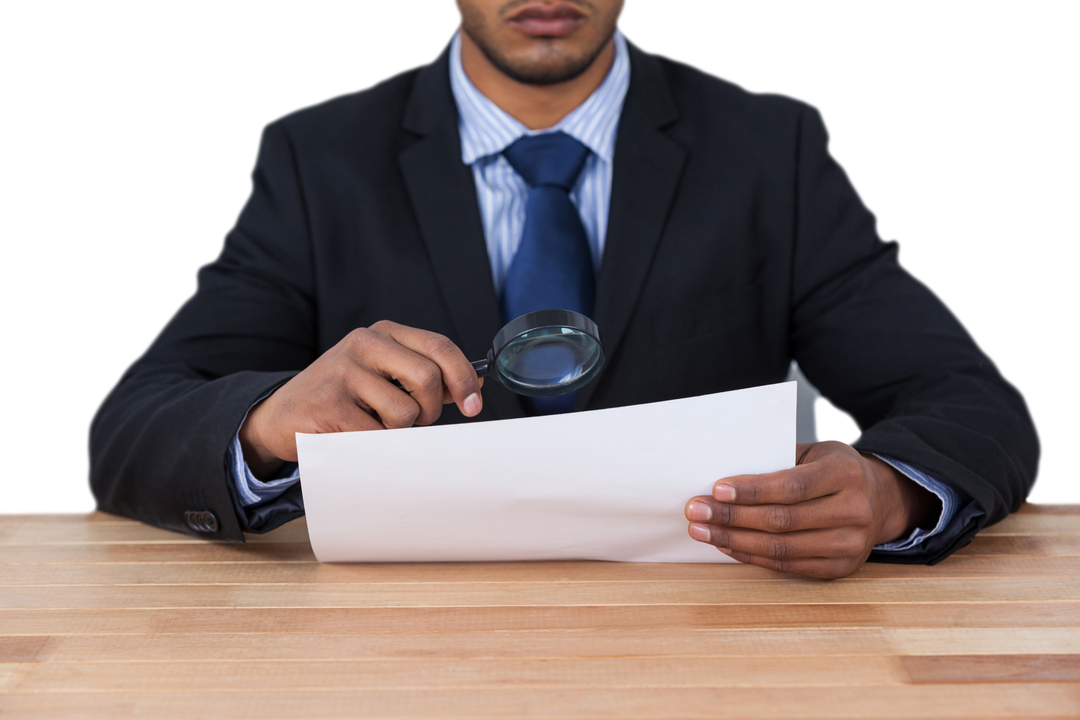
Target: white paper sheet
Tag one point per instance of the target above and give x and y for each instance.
(598, 485)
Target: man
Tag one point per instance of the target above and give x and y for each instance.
(542, 161)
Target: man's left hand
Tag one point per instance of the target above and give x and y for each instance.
(821, 518)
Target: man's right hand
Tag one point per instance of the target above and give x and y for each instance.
(351, 387)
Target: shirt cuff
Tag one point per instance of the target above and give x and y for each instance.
(252, 490)
(950, 502)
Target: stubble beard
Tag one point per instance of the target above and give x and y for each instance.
(550, 68)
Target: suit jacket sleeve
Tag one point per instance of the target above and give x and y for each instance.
(883, 348)
(159, 443)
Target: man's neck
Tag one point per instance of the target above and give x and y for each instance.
(534, 106)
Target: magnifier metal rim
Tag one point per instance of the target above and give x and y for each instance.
(543, 319)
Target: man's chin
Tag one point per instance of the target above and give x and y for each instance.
(548, 66)
(534, 74)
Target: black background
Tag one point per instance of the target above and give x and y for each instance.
(169, 125)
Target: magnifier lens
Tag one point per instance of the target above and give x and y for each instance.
(549, 361)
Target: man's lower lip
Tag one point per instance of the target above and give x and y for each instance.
(548, 27)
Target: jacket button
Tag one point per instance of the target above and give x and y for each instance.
(201, 521)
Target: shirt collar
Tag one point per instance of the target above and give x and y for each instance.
(486, 129)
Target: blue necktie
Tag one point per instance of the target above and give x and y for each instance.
(552, 268)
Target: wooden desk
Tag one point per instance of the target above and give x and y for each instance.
(101, 617)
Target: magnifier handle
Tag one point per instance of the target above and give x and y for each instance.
(482, 367)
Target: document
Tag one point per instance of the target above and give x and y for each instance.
(595, 485)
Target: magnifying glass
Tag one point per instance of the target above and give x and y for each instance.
(544, 353)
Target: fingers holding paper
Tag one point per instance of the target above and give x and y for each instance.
(820, 518)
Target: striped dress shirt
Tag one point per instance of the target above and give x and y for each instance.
(486, 130)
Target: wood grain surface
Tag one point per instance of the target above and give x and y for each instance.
(102, 617)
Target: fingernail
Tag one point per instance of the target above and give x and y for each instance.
(699, 511)
(700, 532)
(724, 493)
(472, 405)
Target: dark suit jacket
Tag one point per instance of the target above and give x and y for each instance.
(735, 244)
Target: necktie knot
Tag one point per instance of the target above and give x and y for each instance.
(547, 159)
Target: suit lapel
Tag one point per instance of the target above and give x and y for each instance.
(647, 168)
(444, 200)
